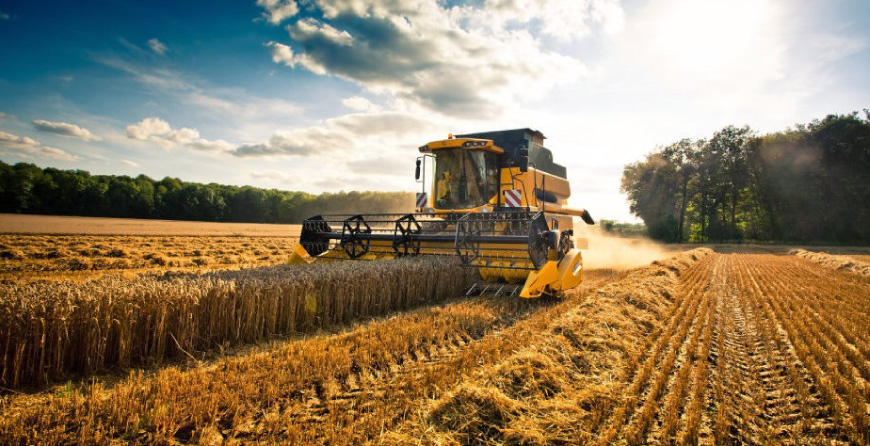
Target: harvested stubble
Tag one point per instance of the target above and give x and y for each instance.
(739, 349)
(843, 263)
(52, 329)
(566, 385)
(61, 257)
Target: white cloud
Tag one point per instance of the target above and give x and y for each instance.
(3, 116)
(282, 54)
(29, 148)
(309, 141)
(360, 103)
(148, 127)
(458, 61)
(353, 134)
(54, 153)
(278, 10)
(10, 138)
(129, 163)
(65, 129)
(563, 20)
(157, 46)
(308, 28)
(159, 131)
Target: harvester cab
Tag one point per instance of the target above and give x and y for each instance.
(495, 199)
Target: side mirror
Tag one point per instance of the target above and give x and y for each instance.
(524, 159)
(417, 170)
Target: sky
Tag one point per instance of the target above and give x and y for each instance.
(330, 95)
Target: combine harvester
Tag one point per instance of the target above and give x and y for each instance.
(498, 201)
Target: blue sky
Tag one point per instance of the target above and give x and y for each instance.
(334, 95)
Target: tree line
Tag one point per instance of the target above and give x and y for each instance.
(810, 183)
(622, 229)
(28, 189)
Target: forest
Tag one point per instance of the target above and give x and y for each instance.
(809, 183)
(29, 189)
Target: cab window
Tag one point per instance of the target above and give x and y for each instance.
(464, 178)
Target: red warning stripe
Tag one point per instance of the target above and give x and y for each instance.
(422, 198)
(513, 198)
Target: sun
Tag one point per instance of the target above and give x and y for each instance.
(711, 36)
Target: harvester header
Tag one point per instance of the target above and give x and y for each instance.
(494, 199)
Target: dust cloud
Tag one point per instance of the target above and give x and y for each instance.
(607, 251)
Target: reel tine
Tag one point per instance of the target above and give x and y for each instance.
(471, 289)
(493, 289)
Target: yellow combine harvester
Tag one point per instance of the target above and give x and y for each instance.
(498, 201)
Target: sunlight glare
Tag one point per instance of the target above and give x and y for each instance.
(710, 36)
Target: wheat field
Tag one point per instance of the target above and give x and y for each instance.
(703, 347)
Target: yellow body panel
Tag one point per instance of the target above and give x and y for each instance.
(483, 144)
(539, 280)
(559, 215)
(570, 271)
(554, 277)
(300, 256)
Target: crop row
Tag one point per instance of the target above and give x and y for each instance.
(51, 329)
(633, 417)
(822, 342)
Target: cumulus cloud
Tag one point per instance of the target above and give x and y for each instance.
(459, 60)
(160, 132)
(373, 134)
(148, 127)
(346, 133)
(278, 10)
(303, 142)
(359, 103)
(157, 46)
(282, 54)
(65, 129)
(30, 148)
(562, 20)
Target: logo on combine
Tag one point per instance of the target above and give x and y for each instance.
(422, 198)
(512, 198)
